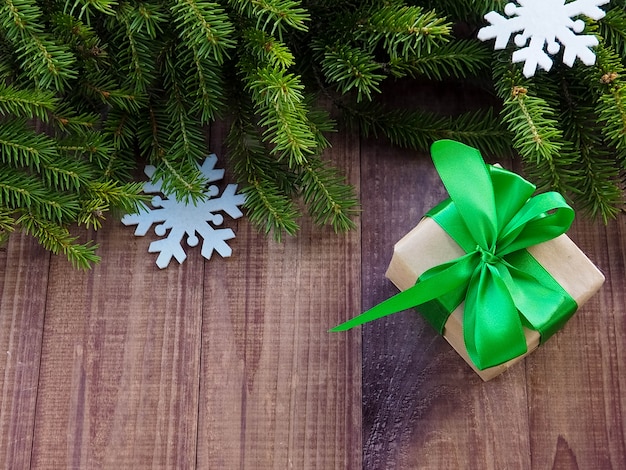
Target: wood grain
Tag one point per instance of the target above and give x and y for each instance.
(277, 390)
(120, 361)
(23, 280)
(576, 382)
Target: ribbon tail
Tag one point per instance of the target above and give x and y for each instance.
(447, 277)
(492, 327)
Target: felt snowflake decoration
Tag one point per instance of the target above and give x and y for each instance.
(190, 219)
(548, 24)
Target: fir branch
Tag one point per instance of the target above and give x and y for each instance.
(136, 53)
(613, 29)
(533, 124)
(65, 174)
(47, 63)
(327, 196)
(404, 30)
(22, 147)
(57, 239)
(274, 16)
(92, 146)
(180, 178)
(350, 67)
(591, 174)
(7, 224)
(266, 49)
(205, 27)
(185, 133)
(270, 184)
(278, 98)
(82, 39)
(458, 59)
(105, 90)
(208, 83)
(611, 103)
(102, 196)
(19, 190)
(89, 7)
(26, 103)
(417, 129)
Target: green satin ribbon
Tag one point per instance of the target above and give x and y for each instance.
(492, 215)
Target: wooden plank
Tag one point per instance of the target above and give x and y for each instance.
(577, 385)
(121, 360)
(23, 278)
(423, 405)
(277, 390)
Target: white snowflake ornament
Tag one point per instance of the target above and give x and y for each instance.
(548, 24)
(189, 219)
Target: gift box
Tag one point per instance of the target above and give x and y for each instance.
(428, 245)
(491, 267)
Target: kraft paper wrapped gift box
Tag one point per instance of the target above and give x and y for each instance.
(428, 245)
(491, 267)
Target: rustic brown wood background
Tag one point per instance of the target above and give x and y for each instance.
(227, 364)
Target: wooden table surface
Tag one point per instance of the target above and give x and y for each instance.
(227, 363)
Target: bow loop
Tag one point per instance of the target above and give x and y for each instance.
(477, 208)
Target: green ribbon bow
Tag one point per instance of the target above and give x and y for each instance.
(493, 217)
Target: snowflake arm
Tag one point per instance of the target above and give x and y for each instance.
(590, 8)
(500, 29)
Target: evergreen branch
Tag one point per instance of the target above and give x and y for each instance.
(266, 49)
(22, 147)
(7, 224)
(48, 64)
(613, 29)
(180, 176)
(69, 121)
(66, 174)
(454, 59)
(88, 7)
(209, 86)
(272, 16)
(26, 103)
(92, 146)
(416, 129)
(19, 190)
(591, 174)
(150, 18)
(269, 209)
(270, 184)
(101, 197)
(57, 239)
(531, 121)
(404, 30)
(82, 39)
(327, 196)
(107, 92)
(205, 27)
(136, 56)
(350, 67)
(121, 127)
(320, 123)
(611, 103)
(278, 97)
